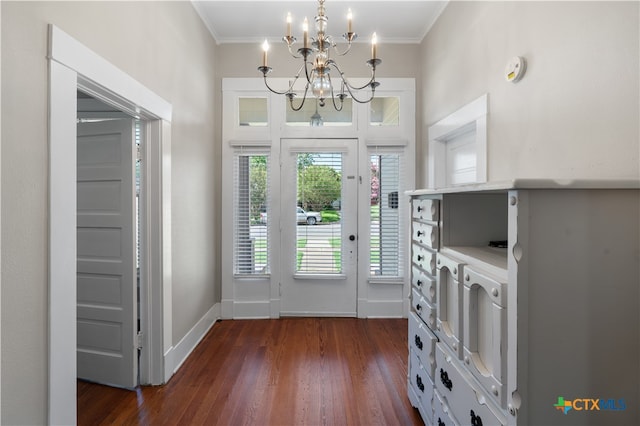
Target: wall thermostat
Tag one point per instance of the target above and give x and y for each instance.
(515, 69)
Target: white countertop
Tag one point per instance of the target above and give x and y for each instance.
(535, 184)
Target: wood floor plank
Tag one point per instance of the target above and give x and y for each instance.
(290, 371)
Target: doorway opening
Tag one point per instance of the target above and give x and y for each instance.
(109, 244)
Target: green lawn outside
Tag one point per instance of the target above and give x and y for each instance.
(330, 216)
(375, 212)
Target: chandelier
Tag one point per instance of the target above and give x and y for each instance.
(317, 63)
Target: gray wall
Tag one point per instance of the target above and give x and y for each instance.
(165, 46)
(576, 112)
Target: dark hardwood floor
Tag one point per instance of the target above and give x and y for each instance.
(291, 371)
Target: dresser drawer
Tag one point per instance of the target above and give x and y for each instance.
(423, 342)
(468, 403)
(421, 383)
(426, 414)
(449, 296)
(424, 258)
(424, 309)
(425, 234)
(485, 331)
(425, 283)
(426, 209)
(441, 412)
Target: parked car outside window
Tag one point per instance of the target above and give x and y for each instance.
(302, 217)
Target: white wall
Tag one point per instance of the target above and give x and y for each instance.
(165, 46)
(576, 112)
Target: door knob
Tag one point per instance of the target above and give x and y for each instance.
(352, 237)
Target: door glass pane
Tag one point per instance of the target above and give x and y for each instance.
(253, 112)
(319, 229)
(327, 114)
(385, 111)
(385, 237)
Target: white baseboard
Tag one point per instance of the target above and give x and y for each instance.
(252, 310)
(381, 309)
(177, 355)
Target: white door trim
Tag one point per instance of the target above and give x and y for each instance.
(72, 66)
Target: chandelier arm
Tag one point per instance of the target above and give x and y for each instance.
(310, 76)
(333, 98)
(373, 94)
(291, 95)
(276, 91)
(371, 81)
(335, 48)
(266, 70)
(291, 51)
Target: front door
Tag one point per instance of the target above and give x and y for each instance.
(106, 267)
(318, 213)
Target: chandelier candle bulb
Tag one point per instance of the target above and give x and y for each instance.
(305, 33)
(265, 49)
(289, 25)
(349, 22)
(374, 46)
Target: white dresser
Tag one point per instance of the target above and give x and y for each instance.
(525, 304)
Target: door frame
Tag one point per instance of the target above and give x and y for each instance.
(73, 66)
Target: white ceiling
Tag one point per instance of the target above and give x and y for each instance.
(247, 21)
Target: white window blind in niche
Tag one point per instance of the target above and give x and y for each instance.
(386, 241)
(319, 229)
(251, 214)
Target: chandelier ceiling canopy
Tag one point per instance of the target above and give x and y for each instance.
(317, 63)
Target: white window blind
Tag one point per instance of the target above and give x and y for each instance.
(319, 230)
(386, 233)
(251, 214)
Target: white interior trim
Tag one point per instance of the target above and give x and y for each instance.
(449, 127)
(73, 66)
(387, 142)
(134, 97)
(0, 211)
(249, 142)
(62, 250)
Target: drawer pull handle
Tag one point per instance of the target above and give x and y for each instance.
(419, 383)
(475, 420)
(419, 343)
(419, 209)
(419, 283)
(418, 308)
(440, 422)
(444, 378)
(420, 258)
(420, 233)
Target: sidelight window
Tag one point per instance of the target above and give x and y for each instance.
(251, 214)
(386, 211)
